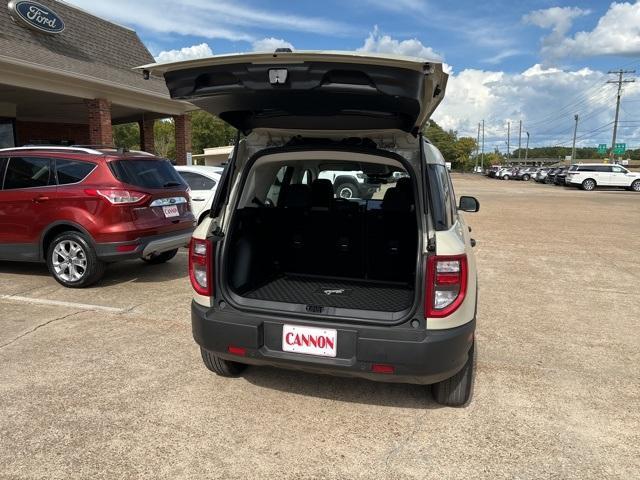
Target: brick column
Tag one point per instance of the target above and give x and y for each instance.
(147, 140)
(183, 138)
(100, 132)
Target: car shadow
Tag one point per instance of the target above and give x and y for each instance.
(135, 271)
(24, 268)
(342, 389)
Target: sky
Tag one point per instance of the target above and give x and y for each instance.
(539, 62)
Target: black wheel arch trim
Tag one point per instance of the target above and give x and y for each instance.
(59, 223)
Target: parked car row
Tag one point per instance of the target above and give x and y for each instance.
(512, 173)
(587, 176)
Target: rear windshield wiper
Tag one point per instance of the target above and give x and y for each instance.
(172, 184)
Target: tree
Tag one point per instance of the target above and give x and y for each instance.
(209, 131)
(127, 136)
(464, 148)
(456, 150)
(165, 138)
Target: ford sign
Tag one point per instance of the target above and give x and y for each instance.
(35, 16)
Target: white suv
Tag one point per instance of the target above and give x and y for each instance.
(289, 274)
(588, 176)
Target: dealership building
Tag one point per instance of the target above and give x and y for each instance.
(66, 78)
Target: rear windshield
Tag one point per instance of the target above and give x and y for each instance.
(147, 173)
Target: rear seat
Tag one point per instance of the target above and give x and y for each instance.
(392, 234)
(292, 225)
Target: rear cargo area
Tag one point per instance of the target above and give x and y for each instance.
(315, 250)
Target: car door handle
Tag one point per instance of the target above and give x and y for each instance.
(198, 199)
(40, 199)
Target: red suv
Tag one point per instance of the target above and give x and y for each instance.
(80, 208)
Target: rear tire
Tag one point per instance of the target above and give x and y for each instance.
(589, 184)
(635, 186)
(505, 177)
(457, 391)
(526, 178)
(72, 260)
(220, 366)
(159, 258)
(347, 191)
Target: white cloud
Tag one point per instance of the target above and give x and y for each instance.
(270, 44)
(503, 55)
(617, 33)
(186, 53)
(545, 99)
(376, 42)
(220, 19)
(557, 19)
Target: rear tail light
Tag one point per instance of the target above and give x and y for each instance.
(446, 284)
(201, 266)
(118, 197)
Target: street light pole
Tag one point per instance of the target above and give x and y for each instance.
(520, 140)
(526, 152)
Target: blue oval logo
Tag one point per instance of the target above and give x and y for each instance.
(36, 16)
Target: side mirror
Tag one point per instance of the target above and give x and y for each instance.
(469, 204)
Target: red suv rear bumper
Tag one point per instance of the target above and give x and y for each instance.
(143, 246)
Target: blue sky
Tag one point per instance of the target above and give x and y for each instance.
(539, 62)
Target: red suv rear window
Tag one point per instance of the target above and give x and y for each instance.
(147, 173)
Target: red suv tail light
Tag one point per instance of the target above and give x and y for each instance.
(446, 284)
(200, 266)
(118, 197)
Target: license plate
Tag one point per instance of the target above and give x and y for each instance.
(171, 211)
(309, 340)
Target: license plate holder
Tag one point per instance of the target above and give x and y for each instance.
(305, 340)
(170, 211)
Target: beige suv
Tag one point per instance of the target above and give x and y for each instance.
(289, 274)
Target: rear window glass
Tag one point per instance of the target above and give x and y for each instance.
(197, 181)
(152, 173)
(71, 171)
(27, 173)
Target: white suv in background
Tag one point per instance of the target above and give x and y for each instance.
(588, 176)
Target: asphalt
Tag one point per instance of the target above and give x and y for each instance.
(107, 382)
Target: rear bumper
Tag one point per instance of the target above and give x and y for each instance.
(143, 246)
(419, 356)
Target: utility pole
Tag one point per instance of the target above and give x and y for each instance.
(477, 149)
(519, 139)
(575, 132)
(482, 157)
(508, 140)
(619, 81)
(526, 152)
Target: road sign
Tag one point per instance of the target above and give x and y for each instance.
(602, 148)
(620, 148)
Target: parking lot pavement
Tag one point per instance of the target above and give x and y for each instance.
(106, 382)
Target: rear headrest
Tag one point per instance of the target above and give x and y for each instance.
(321, 193)
(298, 196)
(404, 184)
(396, 200)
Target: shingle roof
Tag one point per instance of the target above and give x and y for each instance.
(88, 46)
